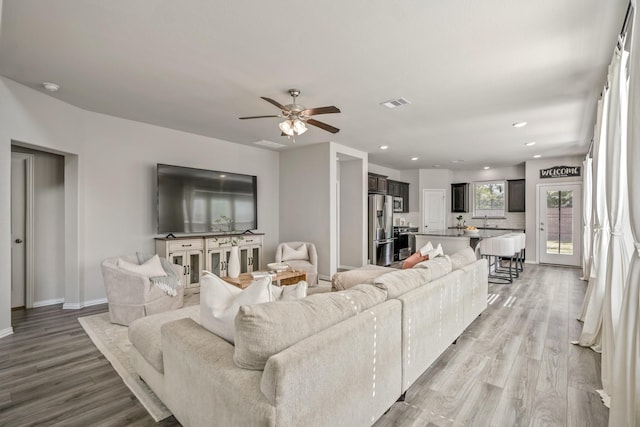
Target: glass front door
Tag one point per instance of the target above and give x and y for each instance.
(560, 224)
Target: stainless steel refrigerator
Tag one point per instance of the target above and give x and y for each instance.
(380, 229)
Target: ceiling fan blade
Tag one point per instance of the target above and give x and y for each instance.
(276, 103)
(256, 117)
(323, 126)
(320, 110)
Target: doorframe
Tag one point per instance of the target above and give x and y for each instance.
(538, 186)
(29, 226)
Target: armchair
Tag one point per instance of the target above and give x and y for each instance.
(293, 253)
(132, 295)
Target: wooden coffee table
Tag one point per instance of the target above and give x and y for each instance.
(282, 278)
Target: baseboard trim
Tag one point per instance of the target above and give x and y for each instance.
(43, 303)
(6, 332)
(78, 306)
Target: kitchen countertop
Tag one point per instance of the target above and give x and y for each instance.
(457, 232)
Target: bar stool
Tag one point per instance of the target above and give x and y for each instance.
(518, 256)
(497, 248)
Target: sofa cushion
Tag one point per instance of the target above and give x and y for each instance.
(462, 257)
(398, 282)
(220, 301)
(266, 329)
(144, 333)
(347, 279)
(439, 266)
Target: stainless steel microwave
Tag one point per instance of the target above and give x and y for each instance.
(398, 204)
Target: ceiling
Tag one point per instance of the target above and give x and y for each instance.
(470, 69)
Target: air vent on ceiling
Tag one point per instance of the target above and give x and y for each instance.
(269, 144)
(393, 103)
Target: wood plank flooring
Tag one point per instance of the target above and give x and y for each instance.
(513, 366)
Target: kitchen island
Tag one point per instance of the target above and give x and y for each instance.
(454, 239)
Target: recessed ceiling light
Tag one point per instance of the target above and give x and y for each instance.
(537, 156)
(223, 176)
(519, 124)
(414, 158)
(457, 161)
(51, 87)
(486, 167)
(383, 147)
(529, 144)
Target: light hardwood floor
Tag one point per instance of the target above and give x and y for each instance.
(514, 365)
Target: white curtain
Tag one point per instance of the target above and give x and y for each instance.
(590, 207)
(586, 222)
(592, 306)
(625, 385)
(616, 191)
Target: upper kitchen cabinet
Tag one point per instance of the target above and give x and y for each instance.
(377, 183)
(460, 197)
(399, 189)
(516, 195)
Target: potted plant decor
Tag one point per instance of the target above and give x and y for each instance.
(224, 225)
(459, 218)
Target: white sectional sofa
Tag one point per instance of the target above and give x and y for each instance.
(331, 359)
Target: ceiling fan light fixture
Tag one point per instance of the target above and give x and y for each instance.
(293, 127)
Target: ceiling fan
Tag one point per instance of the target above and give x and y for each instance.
(297, 117)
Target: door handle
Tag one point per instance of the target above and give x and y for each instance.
(18, 240)
(541, 229)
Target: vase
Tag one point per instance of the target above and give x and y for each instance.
(233, 269)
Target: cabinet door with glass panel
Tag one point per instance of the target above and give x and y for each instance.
(187, 253)
(218, 252)
(250, 248)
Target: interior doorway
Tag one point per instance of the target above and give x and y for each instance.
(560, 224)
(22, 230)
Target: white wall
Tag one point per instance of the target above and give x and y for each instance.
(351, 231)
(533, 179)
(113, 206)
(305, 181)
(48, 224)
(308, 179)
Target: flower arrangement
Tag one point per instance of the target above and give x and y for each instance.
(224, 225)
(459, 218)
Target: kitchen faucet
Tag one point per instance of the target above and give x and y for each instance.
(486, 222)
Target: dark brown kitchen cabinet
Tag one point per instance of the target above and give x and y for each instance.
(377, 183)
(516, 190)
(399, 189)
(460, 197)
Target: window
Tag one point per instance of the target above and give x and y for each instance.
(488, 199)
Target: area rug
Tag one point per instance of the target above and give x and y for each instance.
(113, 342)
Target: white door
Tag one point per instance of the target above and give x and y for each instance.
(560, 224)
(18, 229)
(433, 212)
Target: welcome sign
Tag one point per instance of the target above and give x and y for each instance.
(560, 172)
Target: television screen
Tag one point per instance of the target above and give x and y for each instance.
(203, 201)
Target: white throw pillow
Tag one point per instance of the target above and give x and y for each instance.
(290, 292)
(151, 268)
(426, 249)
(220, 302)
(289, 253)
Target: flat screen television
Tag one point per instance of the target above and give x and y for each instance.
(205, 201)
